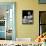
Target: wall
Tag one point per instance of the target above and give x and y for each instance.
(42, 7)
(28, 31)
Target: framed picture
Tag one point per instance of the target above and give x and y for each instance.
(42, 22)
(27, 17)
(42, 1)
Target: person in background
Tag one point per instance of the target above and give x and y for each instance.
(39, 38)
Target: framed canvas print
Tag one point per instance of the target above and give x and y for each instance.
(7, 20)
(27, 17)
(42, 1)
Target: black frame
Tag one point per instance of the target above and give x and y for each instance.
(23, 14)
(39, 21)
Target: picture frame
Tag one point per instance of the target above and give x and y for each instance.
(42, 22)
(27, 16)
(42, 1)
